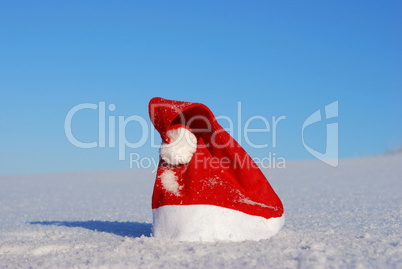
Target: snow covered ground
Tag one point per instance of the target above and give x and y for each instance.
(346, 217)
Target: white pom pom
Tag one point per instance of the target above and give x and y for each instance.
(181, 148)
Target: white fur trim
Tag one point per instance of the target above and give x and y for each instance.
(182, 146)
(211, 223)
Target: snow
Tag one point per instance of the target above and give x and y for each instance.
(343, 217)
(181, 147)
(250, 202)
(169, 182)
(208, 223)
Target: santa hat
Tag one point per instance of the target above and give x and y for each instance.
(207, 187)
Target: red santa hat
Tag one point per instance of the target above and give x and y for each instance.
(207, 187)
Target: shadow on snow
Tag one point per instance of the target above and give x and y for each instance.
(130, 229)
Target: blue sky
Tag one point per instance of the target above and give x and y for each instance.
(276, 58)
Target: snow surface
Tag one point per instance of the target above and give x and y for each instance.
(343, 217)
(181, 148)
(208, 223)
